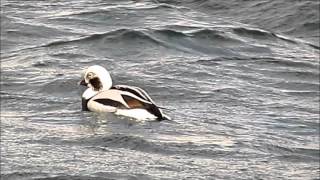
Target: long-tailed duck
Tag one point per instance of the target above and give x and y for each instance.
(130, 101)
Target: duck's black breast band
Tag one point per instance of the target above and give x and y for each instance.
(85, 104)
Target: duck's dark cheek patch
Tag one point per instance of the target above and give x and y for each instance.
(96, 84)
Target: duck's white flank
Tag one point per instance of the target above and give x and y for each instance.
(139, 114)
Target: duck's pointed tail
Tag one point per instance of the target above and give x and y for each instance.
(164, 117)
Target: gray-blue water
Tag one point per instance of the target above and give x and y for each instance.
(240, 80)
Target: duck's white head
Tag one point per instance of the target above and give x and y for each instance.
(96, 78)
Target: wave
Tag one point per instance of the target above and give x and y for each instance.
(258, 34)
(300, 20)
(204, 41)
(184, 38)
(119, 34)
(149, 35)
(95, 176)
(22, 175)
(299, 86)
(290, 63)
(137, 143)
(302, 154)
(214, 35)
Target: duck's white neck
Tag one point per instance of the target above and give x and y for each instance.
(89, 93)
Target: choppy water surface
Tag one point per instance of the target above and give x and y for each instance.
(241, 85)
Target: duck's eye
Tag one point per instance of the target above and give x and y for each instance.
(90, 75)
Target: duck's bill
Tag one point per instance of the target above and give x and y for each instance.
(83, 83)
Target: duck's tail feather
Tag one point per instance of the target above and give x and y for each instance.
(165, 117)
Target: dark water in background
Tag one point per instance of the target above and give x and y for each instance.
(241, 80)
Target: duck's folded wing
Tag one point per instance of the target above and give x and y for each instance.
(136, 91)
(133, 102)
(121, 97)
(125, 99)
(111, 98)
(151, 106)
